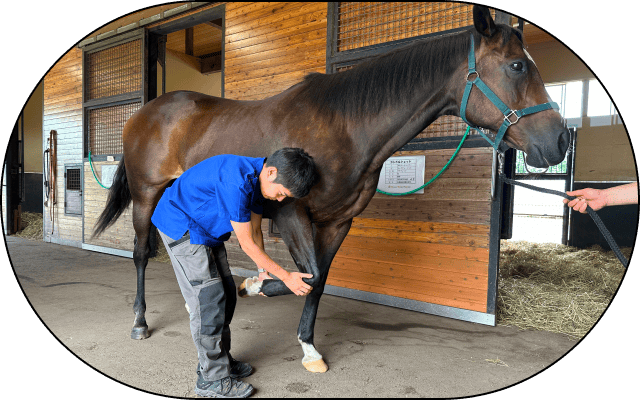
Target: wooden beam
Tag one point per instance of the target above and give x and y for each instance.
(188, 41)
(211, 64)
(216, 23)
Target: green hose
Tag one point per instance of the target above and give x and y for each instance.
(437, 175)
(94, 172)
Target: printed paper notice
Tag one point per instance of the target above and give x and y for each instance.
(402, 174)
(108, 172)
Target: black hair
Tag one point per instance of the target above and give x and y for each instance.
(296, 170)
(367, 88)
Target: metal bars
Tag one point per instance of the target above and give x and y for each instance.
(105, 127)
(113, 91)
(362, 24)
(114, 71)
(72, 190)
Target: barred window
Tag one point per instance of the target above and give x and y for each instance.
(114, 71)
(362, 24)
(72, 190)
(113, 76)
(105, 126)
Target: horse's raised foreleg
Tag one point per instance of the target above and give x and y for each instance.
(297, 233)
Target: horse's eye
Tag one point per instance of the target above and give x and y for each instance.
(517, 66)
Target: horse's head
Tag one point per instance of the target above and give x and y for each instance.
(520, 108)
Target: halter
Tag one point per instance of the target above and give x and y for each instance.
(511, 117)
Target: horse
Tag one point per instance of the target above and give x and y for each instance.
(350, 122)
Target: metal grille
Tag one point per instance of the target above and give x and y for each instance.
(447, 125)
(362, 24)
(113, 71)
(105, 127)
(72, 191)
(73, 179)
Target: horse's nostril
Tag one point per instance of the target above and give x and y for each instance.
(563, 141)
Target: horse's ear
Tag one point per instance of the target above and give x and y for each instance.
(483, 21)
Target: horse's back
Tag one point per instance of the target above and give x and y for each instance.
(179, 129)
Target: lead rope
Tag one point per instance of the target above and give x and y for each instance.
(603, 229)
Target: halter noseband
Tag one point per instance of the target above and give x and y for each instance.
(510, 116)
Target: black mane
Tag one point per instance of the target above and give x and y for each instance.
(369, 87)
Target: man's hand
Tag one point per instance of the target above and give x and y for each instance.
(264, 275)
(592, 197)
(295, 283)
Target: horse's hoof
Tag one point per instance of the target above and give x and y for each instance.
(249, 287)
(318, 366)
(139, 333)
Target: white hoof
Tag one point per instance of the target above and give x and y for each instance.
(250, 287)
(318, 366)
(312, 360)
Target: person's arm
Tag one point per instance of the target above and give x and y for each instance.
(293, 280)
(256, 233)
(597, 199)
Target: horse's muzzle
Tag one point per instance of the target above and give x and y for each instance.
(549, 152)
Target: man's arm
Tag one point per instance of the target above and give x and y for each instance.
(597, 199)
(293, 280)
(256, 233)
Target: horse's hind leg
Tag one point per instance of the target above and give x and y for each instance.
(143, 228)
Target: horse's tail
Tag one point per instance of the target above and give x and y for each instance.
(118, 200)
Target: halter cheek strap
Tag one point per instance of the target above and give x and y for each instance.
(510, 116)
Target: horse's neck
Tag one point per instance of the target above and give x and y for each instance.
(397, 125)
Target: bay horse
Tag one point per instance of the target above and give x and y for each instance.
(349, 122)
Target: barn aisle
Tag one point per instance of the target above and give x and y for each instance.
(85, 299)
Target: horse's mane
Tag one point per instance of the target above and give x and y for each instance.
(389, 78)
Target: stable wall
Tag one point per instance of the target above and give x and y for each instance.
(63, 113)
(181, 75)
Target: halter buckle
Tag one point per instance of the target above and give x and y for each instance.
(507, 118)
(471, 72)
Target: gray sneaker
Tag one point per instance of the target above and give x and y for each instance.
(224, 388)
(239, 369)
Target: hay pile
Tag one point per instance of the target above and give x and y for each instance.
(32, 226)
(555, 288)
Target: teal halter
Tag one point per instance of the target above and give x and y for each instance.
(510, 116)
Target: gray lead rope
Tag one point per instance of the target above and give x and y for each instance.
(592, 213)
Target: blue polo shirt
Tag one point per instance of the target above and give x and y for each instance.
(207, 196)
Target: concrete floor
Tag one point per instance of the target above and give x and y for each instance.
(85, 300)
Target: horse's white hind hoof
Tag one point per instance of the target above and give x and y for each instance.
(318, 366)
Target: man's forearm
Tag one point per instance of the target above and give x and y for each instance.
(622, 195)
(263, 261)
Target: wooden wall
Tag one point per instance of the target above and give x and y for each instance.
(431, 247)
(63, 112)
(272, 46)
(118, 236)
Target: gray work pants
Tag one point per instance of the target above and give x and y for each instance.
(207, 286)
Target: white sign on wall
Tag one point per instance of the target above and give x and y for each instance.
(107, 174)
(402, 174)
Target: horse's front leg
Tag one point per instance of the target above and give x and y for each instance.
(327, 241)
(297, 233)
